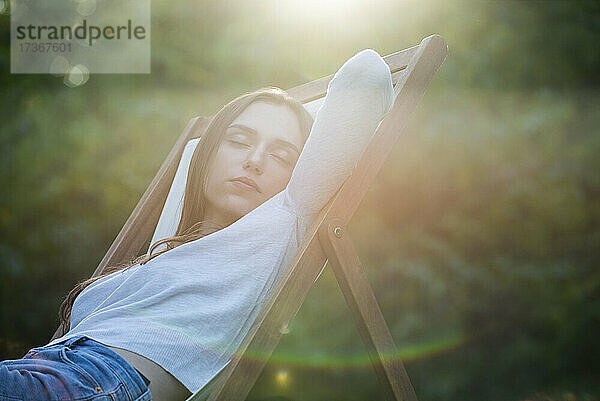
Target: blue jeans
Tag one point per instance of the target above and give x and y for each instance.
(75, 369)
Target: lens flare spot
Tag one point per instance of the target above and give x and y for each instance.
(59, 66)
(87, 7)
(282, 378)
(77, 76)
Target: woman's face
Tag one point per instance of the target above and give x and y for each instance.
(253, 162)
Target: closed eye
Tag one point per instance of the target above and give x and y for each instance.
(281, 159)
(238, 143)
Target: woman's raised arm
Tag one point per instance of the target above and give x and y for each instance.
(358, 97)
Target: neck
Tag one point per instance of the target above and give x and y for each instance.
(215, 220)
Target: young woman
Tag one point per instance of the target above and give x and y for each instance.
(166, 325)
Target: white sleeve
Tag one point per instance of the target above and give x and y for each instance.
(358, 97)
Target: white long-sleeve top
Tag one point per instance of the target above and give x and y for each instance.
(189, 308)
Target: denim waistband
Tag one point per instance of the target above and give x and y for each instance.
(116, 362)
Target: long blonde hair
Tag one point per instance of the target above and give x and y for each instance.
(191, 226)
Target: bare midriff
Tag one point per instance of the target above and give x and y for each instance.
(163, 385)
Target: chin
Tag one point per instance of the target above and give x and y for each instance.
(238, 208)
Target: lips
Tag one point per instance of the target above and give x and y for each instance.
(247, 181)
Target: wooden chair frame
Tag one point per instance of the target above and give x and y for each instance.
(327, 239)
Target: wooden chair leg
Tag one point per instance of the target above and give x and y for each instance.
(371, 324)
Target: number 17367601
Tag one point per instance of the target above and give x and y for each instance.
(34, 47)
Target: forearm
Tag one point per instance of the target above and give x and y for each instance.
(358, 97)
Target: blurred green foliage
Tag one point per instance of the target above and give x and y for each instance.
(480, 236)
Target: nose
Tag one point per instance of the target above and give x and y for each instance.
(254, 162)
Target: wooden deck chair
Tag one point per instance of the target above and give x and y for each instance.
(326, 240)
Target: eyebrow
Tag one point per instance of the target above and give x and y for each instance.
(254, 132)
